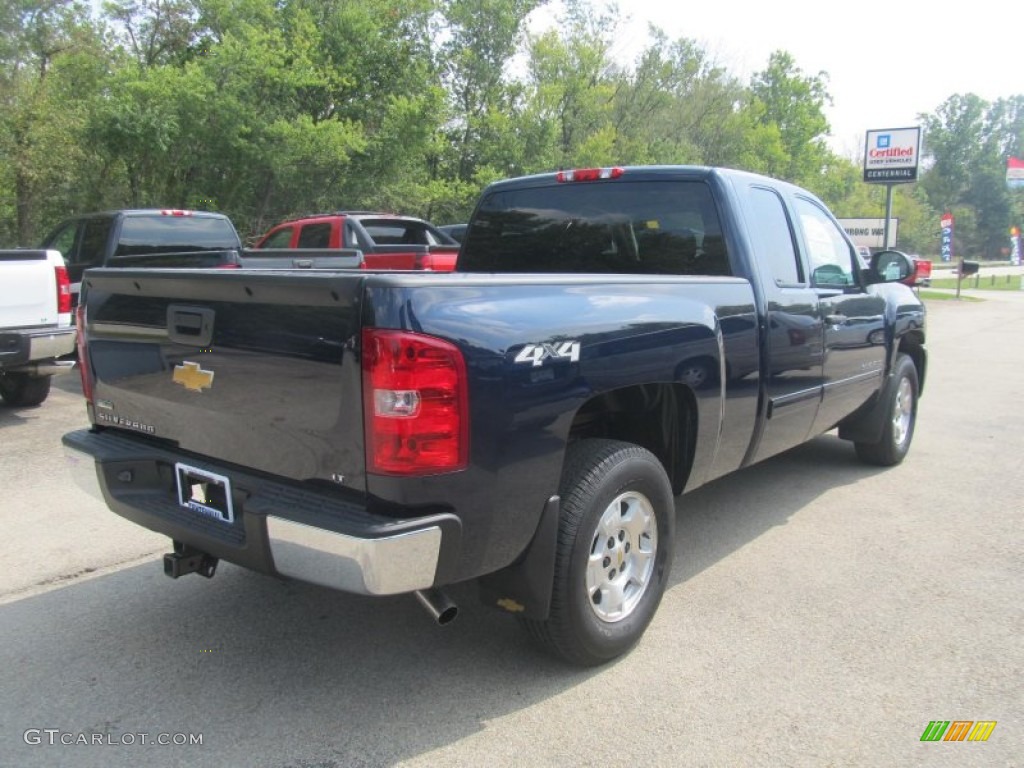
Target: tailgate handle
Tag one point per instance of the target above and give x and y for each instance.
(303, 263)
(190, 325)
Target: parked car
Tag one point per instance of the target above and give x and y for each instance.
(144, 238)
(35, 324)
(922, 271)
(387, 241)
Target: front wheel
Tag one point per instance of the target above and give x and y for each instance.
(21, 390)
(614, 551)
(900, 413)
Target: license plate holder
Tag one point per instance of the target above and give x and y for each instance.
(204, 492)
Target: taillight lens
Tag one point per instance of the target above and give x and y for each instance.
(416, 407)
(84, 369)
(63, 291)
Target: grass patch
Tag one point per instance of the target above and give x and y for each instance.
(926, 295)
(984, 283)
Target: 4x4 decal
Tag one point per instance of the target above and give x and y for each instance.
(536, 354)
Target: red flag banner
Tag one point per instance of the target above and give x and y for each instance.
(1014, 173)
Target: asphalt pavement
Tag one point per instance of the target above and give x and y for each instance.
(820, 613)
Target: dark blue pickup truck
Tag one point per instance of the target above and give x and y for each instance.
(611, 338)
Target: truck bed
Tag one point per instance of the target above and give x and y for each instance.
(263, 369)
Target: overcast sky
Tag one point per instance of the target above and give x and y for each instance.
(886, 62)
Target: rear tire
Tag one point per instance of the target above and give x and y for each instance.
(900, 417)
(22, 390)
(614, 552)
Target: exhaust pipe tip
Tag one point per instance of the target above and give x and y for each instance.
(438, 605)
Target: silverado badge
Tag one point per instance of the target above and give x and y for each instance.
(192, 377)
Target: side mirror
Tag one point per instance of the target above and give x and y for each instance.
(892, 267)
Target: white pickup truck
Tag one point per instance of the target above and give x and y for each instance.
(35, 324)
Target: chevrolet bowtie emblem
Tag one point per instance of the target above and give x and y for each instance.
(192, 377)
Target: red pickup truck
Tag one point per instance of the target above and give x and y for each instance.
(387, 241)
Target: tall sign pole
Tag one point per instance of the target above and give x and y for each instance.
(891, 157)
(1015, 180)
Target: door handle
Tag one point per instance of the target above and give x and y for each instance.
(835, 319)
(190, 325)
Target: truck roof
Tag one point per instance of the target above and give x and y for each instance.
(172, 212)
(637, 173)
(353, 214)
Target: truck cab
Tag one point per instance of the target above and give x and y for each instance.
(145, 237)
(387, 241)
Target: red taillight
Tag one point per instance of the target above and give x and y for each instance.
(175, 212)
(589, 174)
(416, 405)
(63, 291)
(84, 369)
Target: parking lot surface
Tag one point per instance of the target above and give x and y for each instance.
(820, 613)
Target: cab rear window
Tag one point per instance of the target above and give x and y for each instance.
(164, 234)
(648, 227)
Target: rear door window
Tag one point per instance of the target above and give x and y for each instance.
(315, 236)
(773, 239)
(282, 238)
(93, 243)
(63, 240)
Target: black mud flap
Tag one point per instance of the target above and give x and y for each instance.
(524, 588)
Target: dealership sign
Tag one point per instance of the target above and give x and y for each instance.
(869, 232)
(891, 156)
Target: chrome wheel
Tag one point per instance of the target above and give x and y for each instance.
(615, 535)
(897, 413)
(902, 412)
(622, 556)
(696, 375)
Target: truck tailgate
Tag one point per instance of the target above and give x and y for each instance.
(28, 294)
(252, 367)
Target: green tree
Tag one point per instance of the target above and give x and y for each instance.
(967, 141)
(794, 103)
(266, 109)
(572, 81)
(481, 39)
(155, 31)
(679, 106)
(51, 59)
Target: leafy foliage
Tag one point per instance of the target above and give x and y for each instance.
(268, 108)
(968, 140)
